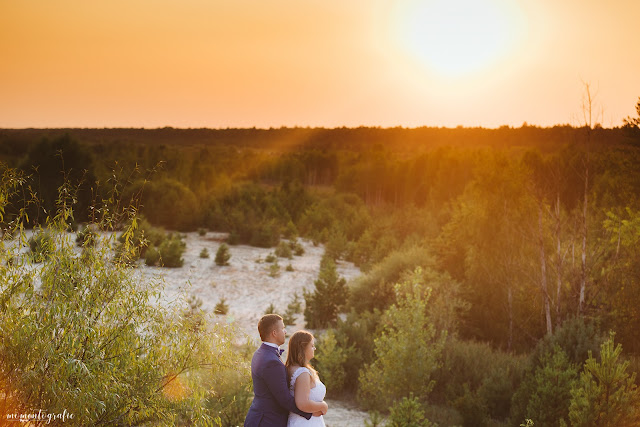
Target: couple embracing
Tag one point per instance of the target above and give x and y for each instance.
(285, 393)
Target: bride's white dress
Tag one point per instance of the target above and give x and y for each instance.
(316, 394)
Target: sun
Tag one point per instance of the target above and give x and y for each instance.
(455, 37)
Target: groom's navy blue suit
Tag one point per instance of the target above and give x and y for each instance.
(272, 401)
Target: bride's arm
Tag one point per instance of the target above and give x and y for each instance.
(301, 391)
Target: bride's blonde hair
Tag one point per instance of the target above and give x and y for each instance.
(295, 356)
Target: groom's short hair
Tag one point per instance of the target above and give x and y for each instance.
(266, 324)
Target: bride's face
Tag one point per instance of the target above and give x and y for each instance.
(310, 350)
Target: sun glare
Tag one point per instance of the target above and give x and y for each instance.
(456, 37)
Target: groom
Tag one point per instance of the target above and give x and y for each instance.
(272, 401)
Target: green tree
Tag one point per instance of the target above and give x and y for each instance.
(552, 383)
(323, 304)
(605, 395)
(407, 349)
(222, 255)
(408, 413)
(331, 358)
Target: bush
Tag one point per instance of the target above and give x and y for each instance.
(270, 258)
(86, 237)
(204, 253)
(408, 412)
(331, 360)
(202, 231)
(289, 268)
(41, 245)
(92, 340)
(221, 307)
(171, 251)
(271, 309)
(222, 255)
(274, 270)
(296, 247)
(283, 250)
(152, 256)
(293, 309)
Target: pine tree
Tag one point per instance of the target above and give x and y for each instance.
(323, 304)
(605, 395)
(222, 255)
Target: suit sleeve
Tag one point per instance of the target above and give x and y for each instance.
(275, 375)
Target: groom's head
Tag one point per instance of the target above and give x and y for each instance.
(271, 329)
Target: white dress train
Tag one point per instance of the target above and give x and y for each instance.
(316, 394)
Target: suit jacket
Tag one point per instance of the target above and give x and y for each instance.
(272, 401)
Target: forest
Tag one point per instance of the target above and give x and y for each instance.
(500, 285)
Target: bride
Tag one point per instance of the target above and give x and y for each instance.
(304, 383)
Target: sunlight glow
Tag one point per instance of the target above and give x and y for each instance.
(456, 37)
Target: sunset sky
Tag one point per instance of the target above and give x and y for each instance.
(241, 63)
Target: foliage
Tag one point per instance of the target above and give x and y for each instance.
(477, 379)
(221, 307)
(89, 340)
(167, 202)
(551, 387)
(274, 270)
(41, 245)
(271, 309)
(605, 395)
(293, 308)
(407, 350)
(171, 251)
(331, 358)
(204, 253)
(283, 250)
(408, 412)
(323, 304)
(86, 237)
(152, 256)
(223, 255)
(289, 268)
(375, 289)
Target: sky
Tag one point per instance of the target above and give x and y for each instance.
(317, 63)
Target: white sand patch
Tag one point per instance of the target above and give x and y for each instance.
(245, 283)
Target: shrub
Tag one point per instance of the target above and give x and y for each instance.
(274, 270)
(171, 251)
(270, 258)
(204, 253)
(331, 360)
(41, 245)
(289, 268)
(408, 412)
(293, 309)
(86, 237)
(202, 231)
(283, 250)
(222, 255)
(221, 307)
(152, 256)
(271, 309)
(296, 247)
(105, 350)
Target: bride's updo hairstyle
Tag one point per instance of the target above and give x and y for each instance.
(295, 356)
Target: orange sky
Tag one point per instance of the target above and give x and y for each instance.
(241, 63)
